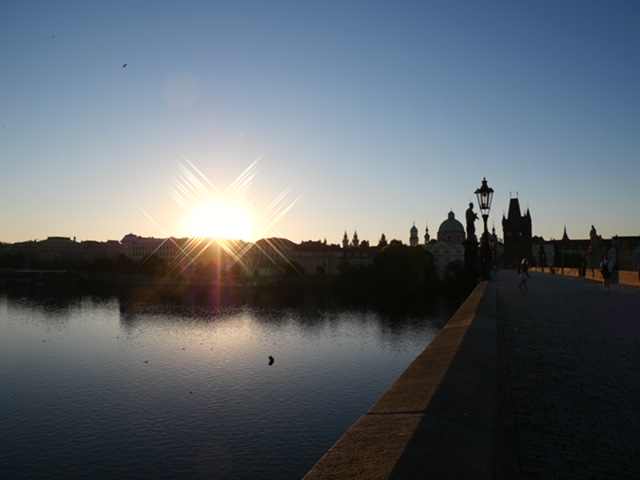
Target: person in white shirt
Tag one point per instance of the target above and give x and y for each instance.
(605, 270)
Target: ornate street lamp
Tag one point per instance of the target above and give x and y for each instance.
(485, 195)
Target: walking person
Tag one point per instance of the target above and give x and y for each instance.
(524, 273)
(605, 270)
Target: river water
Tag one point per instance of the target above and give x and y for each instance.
(137, 386)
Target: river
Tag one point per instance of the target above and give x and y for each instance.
(137, 386)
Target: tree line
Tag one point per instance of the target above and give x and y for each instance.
(397, 269)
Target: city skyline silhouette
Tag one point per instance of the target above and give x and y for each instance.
(365, 118)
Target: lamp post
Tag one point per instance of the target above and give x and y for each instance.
(484, 195)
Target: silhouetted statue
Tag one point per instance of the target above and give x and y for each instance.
(471, 218)
(595, 240)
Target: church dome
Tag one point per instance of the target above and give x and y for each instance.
(451, 230)
(451, 224)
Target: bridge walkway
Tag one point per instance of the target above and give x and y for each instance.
(569, 379)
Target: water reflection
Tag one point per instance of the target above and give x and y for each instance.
(218, 301)
(46, 303)
(229, 384)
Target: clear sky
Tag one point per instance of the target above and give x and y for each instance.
(309, 119)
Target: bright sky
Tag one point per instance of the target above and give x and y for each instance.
(364, 115)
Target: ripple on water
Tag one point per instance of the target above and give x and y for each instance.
(155, 392)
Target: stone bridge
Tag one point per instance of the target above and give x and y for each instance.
(537, 383)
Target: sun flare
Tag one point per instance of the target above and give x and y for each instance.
(222, 214)
(218, 220)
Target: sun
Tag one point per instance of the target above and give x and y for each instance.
(219, 220)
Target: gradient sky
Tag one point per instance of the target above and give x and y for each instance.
(364, 115)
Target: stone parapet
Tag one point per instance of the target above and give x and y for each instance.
(621, 277)
(438, 419)
(626, 277)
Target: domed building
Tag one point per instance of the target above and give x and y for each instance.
(451, 230)
(449, 244)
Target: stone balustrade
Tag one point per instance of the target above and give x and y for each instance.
(438, 419)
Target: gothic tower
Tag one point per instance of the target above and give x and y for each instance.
(516, 230)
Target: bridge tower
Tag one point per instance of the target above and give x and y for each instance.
(517, 236)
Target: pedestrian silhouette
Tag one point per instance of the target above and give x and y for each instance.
(524, 274)
(605, 270)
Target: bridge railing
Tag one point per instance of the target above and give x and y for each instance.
(438, 419)
(621, 277)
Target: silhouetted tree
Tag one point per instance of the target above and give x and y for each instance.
(124, 264)
(356, 277)
(152, 265)
(12, 259)
(454, 277)
(402, 268)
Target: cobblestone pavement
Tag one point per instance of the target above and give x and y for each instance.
(570, 371)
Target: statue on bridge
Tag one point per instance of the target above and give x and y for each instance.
(471, 218)
(595, 240)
